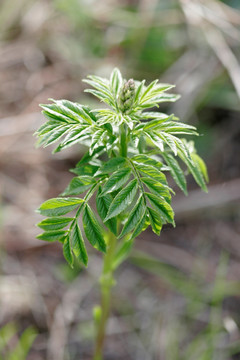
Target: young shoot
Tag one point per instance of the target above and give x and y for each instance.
(130, 146)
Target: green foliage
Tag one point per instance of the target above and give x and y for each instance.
(14, 346)
(129, 150)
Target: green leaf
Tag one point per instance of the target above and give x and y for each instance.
(155, 220)
(182, 149)
(75, 111)
(198, 176)
(67, 111)
(112, 165)
(198, 161)
(134, 216)
(79, 185)
(169, 140)
(153, 94)
(155, 140)
(67, 252)
(54, 135)
(76, 132)
(88, 170)
(177, 127)
(59, 206)
(47, 127)
(87, 157)
(154, 124)
(123, 199)
(78, 245)
(93, 230)
(152, 90)
(152, 172)
(54, 223)
(141, 226)
(146, 159)
(139, 91)
(74, 137)
(103, 204)
(116, 81)
(166, 97)
(111, 117)
(176, 171)
(101, 95)
(51, 114)
(157, 188)
(103, 89)
(193, 168)
(129, 121)
(97, 139)
(162, 207)
(116, 180)
(52, 235)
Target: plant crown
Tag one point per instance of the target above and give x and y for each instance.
(130, 148)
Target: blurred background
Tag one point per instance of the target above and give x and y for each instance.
(178, 296)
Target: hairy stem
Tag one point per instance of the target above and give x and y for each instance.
(106, 283)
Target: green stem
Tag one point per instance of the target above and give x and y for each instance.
(123, 140)
(106, 283)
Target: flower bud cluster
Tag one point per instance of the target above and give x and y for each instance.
(126, 96)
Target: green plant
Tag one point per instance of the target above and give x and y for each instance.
(14, 346)
(129, 150)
